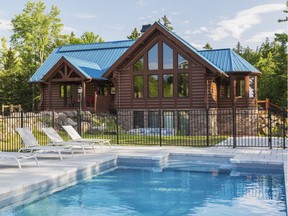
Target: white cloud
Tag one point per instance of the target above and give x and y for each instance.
(85, 16)
(68, 30)
(5, 24)
(142, 3)
(175, 13)
(197, 45)
(261, 36)
(197, 31)
(243, 21)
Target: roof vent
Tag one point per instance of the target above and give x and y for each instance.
(145, 28)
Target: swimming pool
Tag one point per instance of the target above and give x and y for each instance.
(214, 188)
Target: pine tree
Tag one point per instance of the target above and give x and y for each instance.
(134, 35)
(166, 22)
(208, 46)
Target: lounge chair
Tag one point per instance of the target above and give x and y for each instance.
(57, 140)
(32, 145)
(76, 137)
(18, 157)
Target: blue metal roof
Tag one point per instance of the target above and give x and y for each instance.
(228, 60)
(93, 60)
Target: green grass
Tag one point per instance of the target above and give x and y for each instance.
(12, 141)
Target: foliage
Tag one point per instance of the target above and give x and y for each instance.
(166, 22)
(208, 46)
(271, 59)
(134, 35)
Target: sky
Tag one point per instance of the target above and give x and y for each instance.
(221, 23)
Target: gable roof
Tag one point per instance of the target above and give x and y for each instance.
(228, 60)
(92, 60)
(98, 60)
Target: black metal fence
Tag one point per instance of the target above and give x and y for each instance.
(202, 128)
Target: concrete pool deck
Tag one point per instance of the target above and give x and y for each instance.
(52, 174)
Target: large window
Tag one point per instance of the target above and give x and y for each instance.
(167, 84)
(153, 58)
(138, 86)
(183, 82)
(240, 87)
(172, 76)
(139, 65)
(167, 57)
(153, 86)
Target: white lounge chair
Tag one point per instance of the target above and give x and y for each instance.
(18, 157)
(76, 137)
(57, 140)
(32, 145)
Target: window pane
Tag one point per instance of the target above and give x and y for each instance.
(167, 57)
(153, 58)
(153, 86)
(182, 62)
(252, 87)
(168, 119)
(138, 86)
(183, 123)
(240, 87)
(183, 85)
(153, 119)
(138, 119)
(167, 85)
(138, 66)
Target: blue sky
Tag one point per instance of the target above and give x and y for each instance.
(221, 23)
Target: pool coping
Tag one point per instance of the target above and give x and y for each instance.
(86, 166)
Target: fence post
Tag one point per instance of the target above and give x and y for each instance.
(160, 128)
(22, 119)
(269, 128)
(284, 126)
(234, 126)
(79, 122)
(53, 119)
(117, 128)
(207, 126)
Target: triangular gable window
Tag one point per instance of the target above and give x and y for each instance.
(139, 65)
(182, 62)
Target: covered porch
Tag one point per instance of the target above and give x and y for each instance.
(66, 87)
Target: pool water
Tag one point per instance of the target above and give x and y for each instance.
(169, 192)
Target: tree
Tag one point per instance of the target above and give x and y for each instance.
(166, 22)
(208, 46)
(90, 37)
(134, 35)
(10, 74)
(35, 34)
(285, 11)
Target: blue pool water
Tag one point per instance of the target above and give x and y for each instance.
(169, 192)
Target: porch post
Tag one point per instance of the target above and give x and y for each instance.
(84, 95)
(232, 89)
(50, 95)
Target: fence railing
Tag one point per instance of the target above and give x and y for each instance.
(202, 127)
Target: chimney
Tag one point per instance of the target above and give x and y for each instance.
(145, 28)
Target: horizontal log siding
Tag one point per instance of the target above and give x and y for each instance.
(197, 87)
(125, 90)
